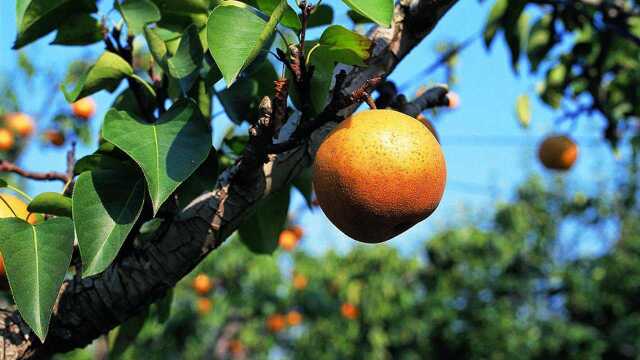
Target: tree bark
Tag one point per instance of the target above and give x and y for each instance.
(90, 307)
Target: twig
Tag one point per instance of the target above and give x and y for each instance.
(433, 97)
(7, 166)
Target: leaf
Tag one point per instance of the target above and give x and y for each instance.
(163, 307)
(36, 258)
(51, 203)
(322, 15)
(106, 204)
(523, 110)
(81, 29)
(540, 41)
(356, 18)
(137, 14)
(380, 11)
(127, 334)
(168, 151)
(203, 179)
(260, 231)
(289, 18)
(96, 162)
(188, 58)
(236, 36)
(304, 185)
(41, 17)
(157, 47)
(348, 47)
(106, 74)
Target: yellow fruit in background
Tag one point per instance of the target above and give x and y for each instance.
(54, 137)
(378, 173)
(202, 284)
(204, 306)
(300, 282)
(84, 108)
(294, 318)
(20, 123)
(6, 140)
(11, 206)
(287, 240)
(558, 152)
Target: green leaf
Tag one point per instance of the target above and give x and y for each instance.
(127, 334)
(188, 58)
(523, 110)
(260, 231)
(106, 204)
(289, 19)
(51, 203)
(493, 22)
(236, 36)
(168, 151)
(106, 74)
(163, 307)
(357, 18)
(203, 179)
(41, 17)
(96, 162)
(380, 11)
(137, 14)
(348, 47)
(304, 185)
(81, 29)
(36, 258)
(540, 41)
(157, 47)
(322, 15)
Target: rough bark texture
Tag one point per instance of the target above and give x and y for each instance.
(90, 307)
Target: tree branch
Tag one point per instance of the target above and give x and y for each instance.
(7, 166)
(93, 306)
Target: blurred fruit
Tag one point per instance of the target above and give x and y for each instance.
(558, 152)
(454, 100)
(294, 318)
(54, 137)
(84, 108)
(236, 348)
(300, 282)
(429, 126)
(349, 311)
(298, 230)
(378, 173)
(11, 206)
(204, 306)
(202, 284)
(6, 140)
(20, 123)
(287, 240)
(276, 323)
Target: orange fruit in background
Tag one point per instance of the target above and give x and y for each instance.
(204, 306)
(202, 284)
(6, 140)
(300, 282)
(20, 123)
(294, 318)
(235, 347)
(558, 152)
(287, 240)
(54, 137)
(429, 126)
(84, 108)
(276, 322)
(454, 100)
(378, 173)
(298, 230)
(349, 311)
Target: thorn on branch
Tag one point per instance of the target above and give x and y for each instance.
(280, 110)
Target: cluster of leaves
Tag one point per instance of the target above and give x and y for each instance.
(506, 288)
(152, 160)
(588, 52)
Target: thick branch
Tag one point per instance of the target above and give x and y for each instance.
(90, 307)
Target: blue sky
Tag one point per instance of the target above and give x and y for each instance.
(487, 152)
